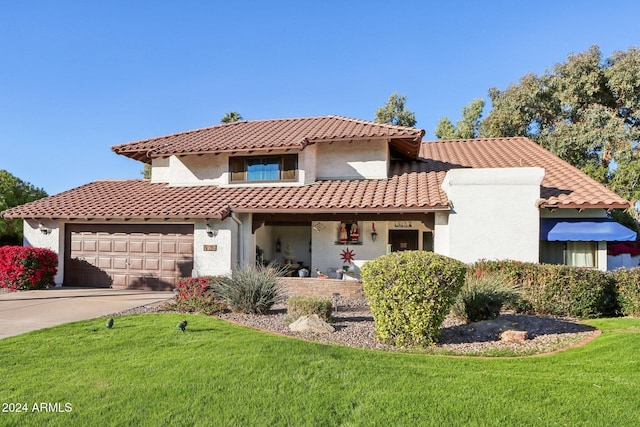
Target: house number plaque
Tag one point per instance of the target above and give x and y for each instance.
(403, 224)
(210, 248)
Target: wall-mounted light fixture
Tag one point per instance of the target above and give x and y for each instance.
(374, 233)
(43, 229)
(211, 231)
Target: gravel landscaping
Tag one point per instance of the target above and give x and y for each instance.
(355, 328)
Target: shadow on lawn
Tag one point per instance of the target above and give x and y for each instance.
(490, 330)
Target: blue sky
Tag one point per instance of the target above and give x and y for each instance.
(80, 76)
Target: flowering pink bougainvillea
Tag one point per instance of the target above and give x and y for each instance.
(631, 248)
(25, 267)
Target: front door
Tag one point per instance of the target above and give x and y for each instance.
(403, 240)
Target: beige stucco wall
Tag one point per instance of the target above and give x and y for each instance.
(323, 160)
(207, 169)
(494, 214)
(352, 160)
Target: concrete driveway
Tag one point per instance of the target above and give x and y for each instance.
(26, 311)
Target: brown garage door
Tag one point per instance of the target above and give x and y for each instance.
(132, 256)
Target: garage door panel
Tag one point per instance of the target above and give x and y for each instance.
(104, 246)
(120, 263)
(152, 247)
(152, 264)
(89, 246)
(76, 245)
(169, 247)
(120, 279)
(168, 264)
(185, 248)
(150, 256)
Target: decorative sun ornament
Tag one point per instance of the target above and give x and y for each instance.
(348, 256)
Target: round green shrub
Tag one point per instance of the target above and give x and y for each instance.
(299, 306)
(410, 293)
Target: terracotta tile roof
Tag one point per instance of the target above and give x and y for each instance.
(563, 186)
(272, 134)
(413, 186)
(410, 191)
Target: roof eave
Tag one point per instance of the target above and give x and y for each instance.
(582, 206)
(351, 211)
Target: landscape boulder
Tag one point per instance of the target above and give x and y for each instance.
(514, 336)
(312, 323)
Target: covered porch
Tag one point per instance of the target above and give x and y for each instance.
(335, 246)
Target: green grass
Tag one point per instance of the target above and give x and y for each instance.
(146, 372)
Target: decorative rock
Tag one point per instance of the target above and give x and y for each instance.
(311, 323)
(514, 336)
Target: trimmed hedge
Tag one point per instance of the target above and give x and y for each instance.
(410, 293)
(299, 306)
(26, 267)
(558, 290)
(628, 286)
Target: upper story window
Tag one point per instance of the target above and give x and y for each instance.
(264, 168)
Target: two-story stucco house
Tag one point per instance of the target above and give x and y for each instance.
(323, 193)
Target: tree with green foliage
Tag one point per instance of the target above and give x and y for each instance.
(586, 110)
(394, 112)
(231, 117)
(14, 192)
(146, 171)
(467, 127)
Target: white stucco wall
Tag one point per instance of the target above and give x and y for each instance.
(494, 214)
(160, 170)
(352, 160)
(54, 241)
(219, 262)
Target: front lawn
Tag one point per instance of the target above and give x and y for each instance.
(145, 371)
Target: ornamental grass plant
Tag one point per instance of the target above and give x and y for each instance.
(483, 295)
(251, 289)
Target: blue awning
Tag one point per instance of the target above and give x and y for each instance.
(589, 230)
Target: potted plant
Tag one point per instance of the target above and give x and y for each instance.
(303, 272)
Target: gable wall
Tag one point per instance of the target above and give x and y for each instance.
(494, 214)
(352, 160)
(324, 160)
